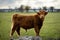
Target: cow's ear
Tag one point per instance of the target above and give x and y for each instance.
(38, 13)
(46, 13)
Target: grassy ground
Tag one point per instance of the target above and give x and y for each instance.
(50, 29)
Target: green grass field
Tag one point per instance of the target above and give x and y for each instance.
(50, 28)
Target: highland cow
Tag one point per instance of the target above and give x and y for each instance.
(28, 22)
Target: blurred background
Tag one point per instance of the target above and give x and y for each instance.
(31, 5)
(51, 26)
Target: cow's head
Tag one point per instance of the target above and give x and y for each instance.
(42, 14)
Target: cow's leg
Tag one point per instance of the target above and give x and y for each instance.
(18, 30)
(13, 30)
(37, 30)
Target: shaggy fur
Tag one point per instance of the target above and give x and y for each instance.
(28, 22)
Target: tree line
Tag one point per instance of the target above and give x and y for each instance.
(23, 8)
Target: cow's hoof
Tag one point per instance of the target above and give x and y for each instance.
(11, 38)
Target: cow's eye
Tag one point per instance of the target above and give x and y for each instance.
(38, 13)
(46, 13)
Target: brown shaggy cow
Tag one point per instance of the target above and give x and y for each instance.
(28, 22)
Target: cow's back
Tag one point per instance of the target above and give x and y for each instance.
(26, 22)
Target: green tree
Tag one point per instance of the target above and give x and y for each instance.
(51, 8)
(21, 8)
(45, 8)
(27, 8)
